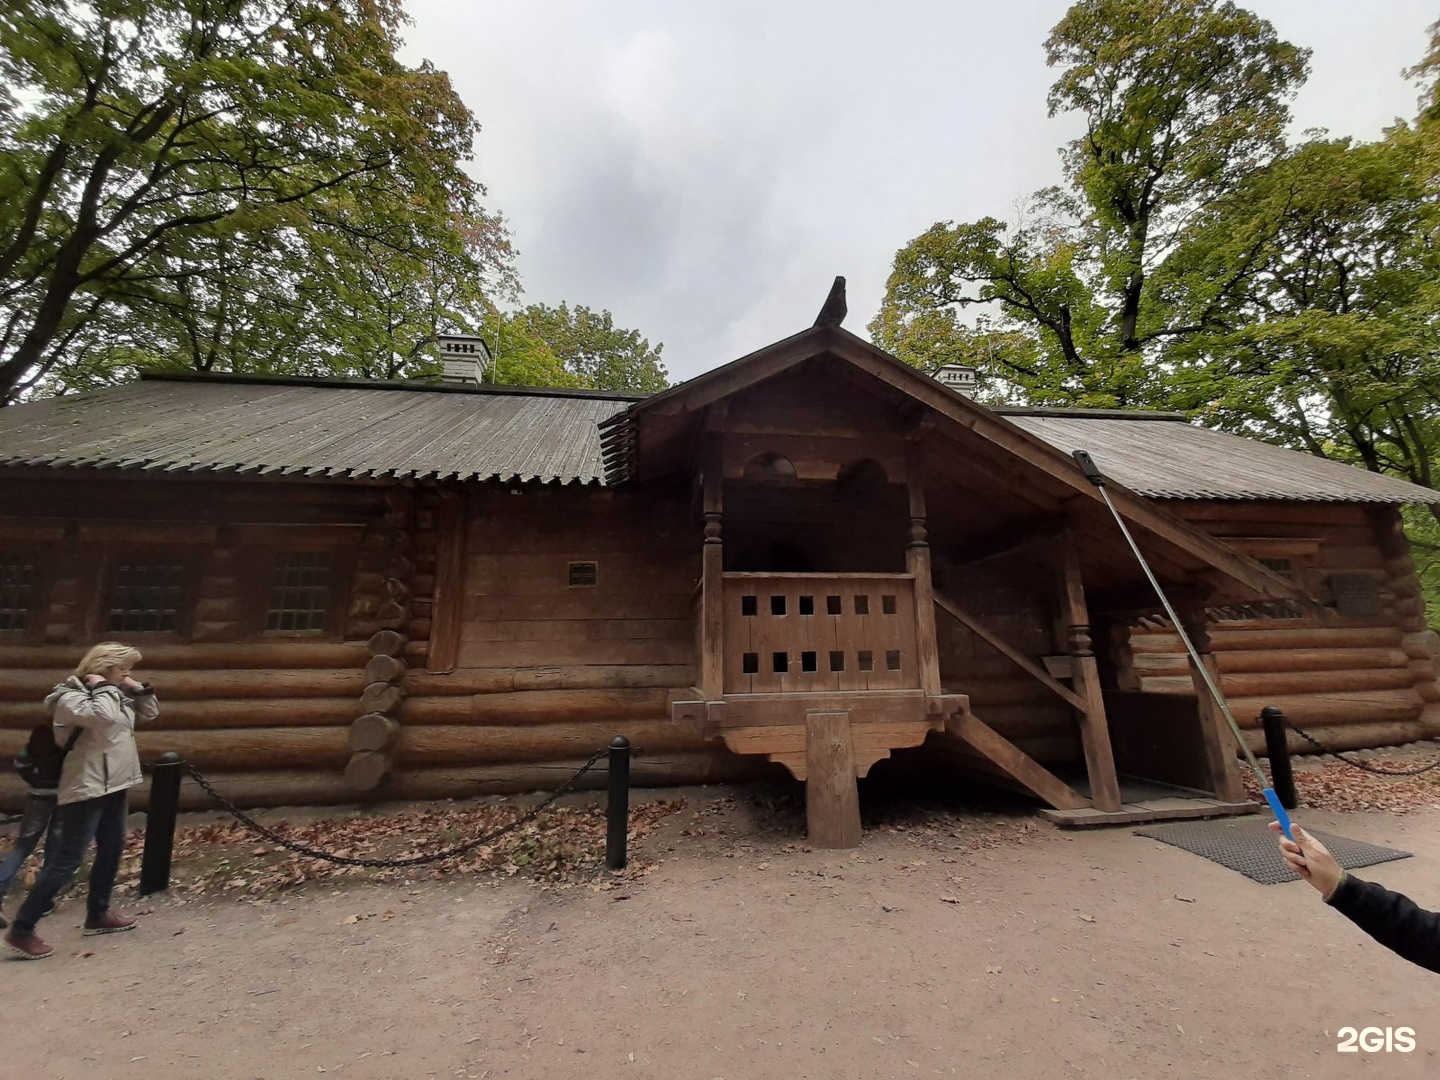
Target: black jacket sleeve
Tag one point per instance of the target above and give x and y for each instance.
(1393, 920)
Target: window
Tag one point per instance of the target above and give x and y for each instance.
(1284, 567)
(300, 587)
(584, 575)
(145, 597)
(17, 592)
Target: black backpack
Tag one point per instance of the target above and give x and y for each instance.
(39, 764)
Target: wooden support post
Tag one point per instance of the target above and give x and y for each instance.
(917, 565)
(832, 799)
(712, 584)
(1220, 748)
(1085, 676)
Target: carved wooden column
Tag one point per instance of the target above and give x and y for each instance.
(1085, 677)
(917, 565)
(1220, 749)
(712, 583)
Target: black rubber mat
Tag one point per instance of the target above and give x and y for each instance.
(1249, 847)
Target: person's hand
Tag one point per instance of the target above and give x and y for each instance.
(94, 680)
(1310, 859)
(131, 686)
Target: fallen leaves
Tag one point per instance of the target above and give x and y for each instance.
(563, 845)
(1329, 784)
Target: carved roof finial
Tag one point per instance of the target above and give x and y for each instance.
(833, 313)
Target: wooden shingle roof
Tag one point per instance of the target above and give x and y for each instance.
(313, 428)
(1165, 457)
(349, 429)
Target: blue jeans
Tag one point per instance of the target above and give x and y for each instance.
(76, 824)
(39, 813)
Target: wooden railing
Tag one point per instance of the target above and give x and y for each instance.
(815, 632)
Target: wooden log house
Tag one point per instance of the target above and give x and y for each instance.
(809, 558)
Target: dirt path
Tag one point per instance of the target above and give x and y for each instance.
(988, 947)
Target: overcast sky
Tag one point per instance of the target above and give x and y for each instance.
(704, 170)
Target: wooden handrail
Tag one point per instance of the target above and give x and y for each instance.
(1009, 651)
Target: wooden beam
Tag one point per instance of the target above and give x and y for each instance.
(1006, 649)
(1085, 673)
(917, 564)
(712, 599)
(1014, 762)
(832, 800)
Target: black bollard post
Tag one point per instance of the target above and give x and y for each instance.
(160, 824)
(617, 808)
(1282, 778)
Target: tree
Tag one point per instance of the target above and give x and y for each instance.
(592, 349)
(1181, 99)
(181, 160)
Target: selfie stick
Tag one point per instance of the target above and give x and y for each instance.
(1093, 474)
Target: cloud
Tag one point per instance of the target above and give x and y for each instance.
(703, 171)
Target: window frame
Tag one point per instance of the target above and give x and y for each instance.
(41, 559)
(265, 564)
(113, 557)
(260, 548)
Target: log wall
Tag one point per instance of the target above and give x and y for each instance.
(1350, 681)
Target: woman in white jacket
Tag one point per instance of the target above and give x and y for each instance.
(104, 702)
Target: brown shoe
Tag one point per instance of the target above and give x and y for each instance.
(109, 923)
(27, 948)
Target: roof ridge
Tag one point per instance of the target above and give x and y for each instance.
(336, 382)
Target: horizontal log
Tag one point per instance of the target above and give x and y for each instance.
(493, 680)
(1281, 683)
(257, 655)
(571, 630)
(176, 686)
(540, 706)
(1339, 709)
(235, 749)
(210, 715)
(579, 605)
(1255, 660)
(1350, 737)
(1308, 637)
(602, 651)
(470, 745)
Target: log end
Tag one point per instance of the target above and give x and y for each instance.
(369, 769)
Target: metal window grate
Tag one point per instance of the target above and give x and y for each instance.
(145, 597)
(299, 591)
(17, 589)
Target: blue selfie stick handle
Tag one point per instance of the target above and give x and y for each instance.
(1279, 811)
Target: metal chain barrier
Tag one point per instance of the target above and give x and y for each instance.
(413, 860)
(1362, 766)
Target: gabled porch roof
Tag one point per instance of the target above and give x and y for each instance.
(658, 436)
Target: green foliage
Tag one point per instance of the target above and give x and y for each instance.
(590, 348)
(230, 186)
(1181, 99)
